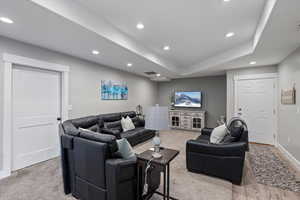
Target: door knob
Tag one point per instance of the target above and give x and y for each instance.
(58, 119)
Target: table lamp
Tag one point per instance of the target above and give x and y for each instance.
(157, 118)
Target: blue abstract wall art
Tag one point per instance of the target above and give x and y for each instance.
(114, 90)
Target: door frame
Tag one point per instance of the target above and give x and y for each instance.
(9, 61)
(273, 76)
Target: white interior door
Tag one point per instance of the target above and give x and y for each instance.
(256, 104)
(36, 106)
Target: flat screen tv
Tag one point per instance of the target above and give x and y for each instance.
(188, 99)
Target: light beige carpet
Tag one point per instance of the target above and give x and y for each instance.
(44, 181)
(185, 185)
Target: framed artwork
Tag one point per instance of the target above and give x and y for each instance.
(288, 96)
(114, 90)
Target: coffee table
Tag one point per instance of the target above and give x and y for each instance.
(162, 164)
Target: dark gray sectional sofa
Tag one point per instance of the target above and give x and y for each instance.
(90, 169)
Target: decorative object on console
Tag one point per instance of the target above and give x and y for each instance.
(139, 112)
(114, 90)
(157, 119)
(288, 96)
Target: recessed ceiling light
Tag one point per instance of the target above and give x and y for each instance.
(158, 75)
(166, 48)
(140, 26)
(252, 62)
(6, 20)
(230, 34)
(95, 52)
(129, 64)
(226, 0)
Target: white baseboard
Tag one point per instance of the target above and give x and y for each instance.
(4, 174)
(289, 156)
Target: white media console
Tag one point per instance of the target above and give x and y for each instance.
(187, 119)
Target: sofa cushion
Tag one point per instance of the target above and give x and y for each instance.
(110, 140)
(131, 114)
(137, 122)
(134, 133)
(113, 125)
(110, 117)
(94, 128)
(85, 122)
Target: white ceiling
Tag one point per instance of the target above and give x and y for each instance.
(195, 30)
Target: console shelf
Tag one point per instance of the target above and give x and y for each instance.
(187, 119)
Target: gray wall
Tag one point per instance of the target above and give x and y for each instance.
(214, 94)
(85, 79)
(288, 121)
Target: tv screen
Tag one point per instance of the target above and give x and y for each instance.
(188, 99)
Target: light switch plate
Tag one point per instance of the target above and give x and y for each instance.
(298, 110)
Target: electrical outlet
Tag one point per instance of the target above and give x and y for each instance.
(70, 107)
(289, 139)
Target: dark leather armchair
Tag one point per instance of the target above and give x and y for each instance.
(225, 161)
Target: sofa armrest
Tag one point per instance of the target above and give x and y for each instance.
(121, 178)
(232, 149)
(207, 131)
(111, 132)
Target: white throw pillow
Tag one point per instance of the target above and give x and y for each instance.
(218, 134)
(130, 123)
(127, 124)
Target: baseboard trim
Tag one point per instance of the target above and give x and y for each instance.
(4, 174)
(289, 156)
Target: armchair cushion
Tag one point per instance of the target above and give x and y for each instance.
(203, 139)
(237, 132)
(206, 131)
(228, 139)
